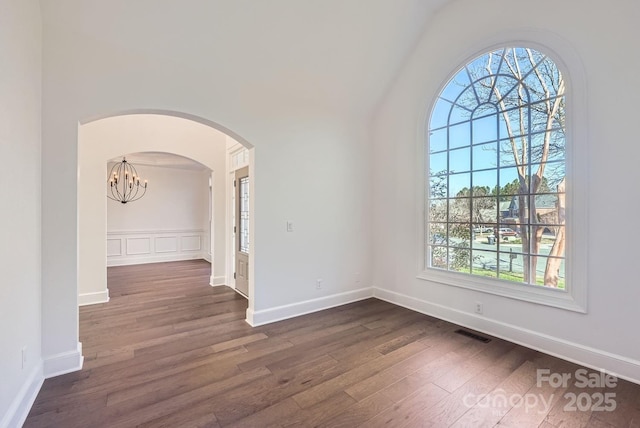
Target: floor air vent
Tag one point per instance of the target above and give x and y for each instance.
(473, 335)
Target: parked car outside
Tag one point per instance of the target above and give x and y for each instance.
(507, 231)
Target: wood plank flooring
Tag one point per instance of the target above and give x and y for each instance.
(168, 350)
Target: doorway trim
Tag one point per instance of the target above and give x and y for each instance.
(83, 220)
(237, 158)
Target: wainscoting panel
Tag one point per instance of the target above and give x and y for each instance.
(166, 244)
(191, 243)
(136, 246)
(153, 246)
(114, 247)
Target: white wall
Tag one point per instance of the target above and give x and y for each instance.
(169, 223)
(20, 104)
(603, 36)
(112, 137)
(176, 199)
(310, 142)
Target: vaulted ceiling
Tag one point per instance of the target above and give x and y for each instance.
(339, 55)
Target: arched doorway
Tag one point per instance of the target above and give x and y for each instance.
(105, 138)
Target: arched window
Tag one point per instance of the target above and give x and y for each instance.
(496, 171)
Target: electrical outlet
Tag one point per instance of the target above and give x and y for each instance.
(24, 357)
(318, 283)
(479, 308)
(289, 226)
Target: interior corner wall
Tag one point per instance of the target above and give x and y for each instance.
(20, 291)
(603, 36)
(112, 137)
(169, 223)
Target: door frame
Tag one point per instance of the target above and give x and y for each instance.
(240, 175)
(239, 157)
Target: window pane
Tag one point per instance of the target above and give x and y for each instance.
(438, 210)
(507, 158)
(550, 78)
(484, 210)
(483, 237)
(554, 173)
(438, 186)
(485, 129)
(540, 113)
(485, 182)
(550, 272)
(438, 233)
(459, 210)
(509, 182)
(485, 156)
(460, 235)
(438, 257)
(459, 259)
(460, 160)
(512, 266)
(459, 182)
(440, 114)
(453, 89)
(549, 235)
(485, 263)
(556, 145)
(459, 135)
(546, 208)
(438, 163)
(438, 140)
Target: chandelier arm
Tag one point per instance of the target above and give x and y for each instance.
(145, 191)
(117, 195)
(132, 193)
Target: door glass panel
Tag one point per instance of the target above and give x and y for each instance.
(244, 214)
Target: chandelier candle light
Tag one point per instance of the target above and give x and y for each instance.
(124, 183)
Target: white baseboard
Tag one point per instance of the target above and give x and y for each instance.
(63, 363)
(266, 316)
(93, 298)
(154, 259)
(207, 257)
(24, 399)
(617, 365)
(216, 281)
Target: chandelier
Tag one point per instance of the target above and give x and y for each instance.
(124, 183)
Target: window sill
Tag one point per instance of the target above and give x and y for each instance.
(572, 300)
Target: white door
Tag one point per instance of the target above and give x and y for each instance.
(241, 184)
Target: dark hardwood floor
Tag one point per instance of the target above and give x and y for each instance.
(168, 350)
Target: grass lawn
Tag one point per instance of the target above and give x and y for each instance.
(512, 276)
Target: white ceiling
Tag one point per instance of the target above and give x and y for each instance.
(338, 55)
